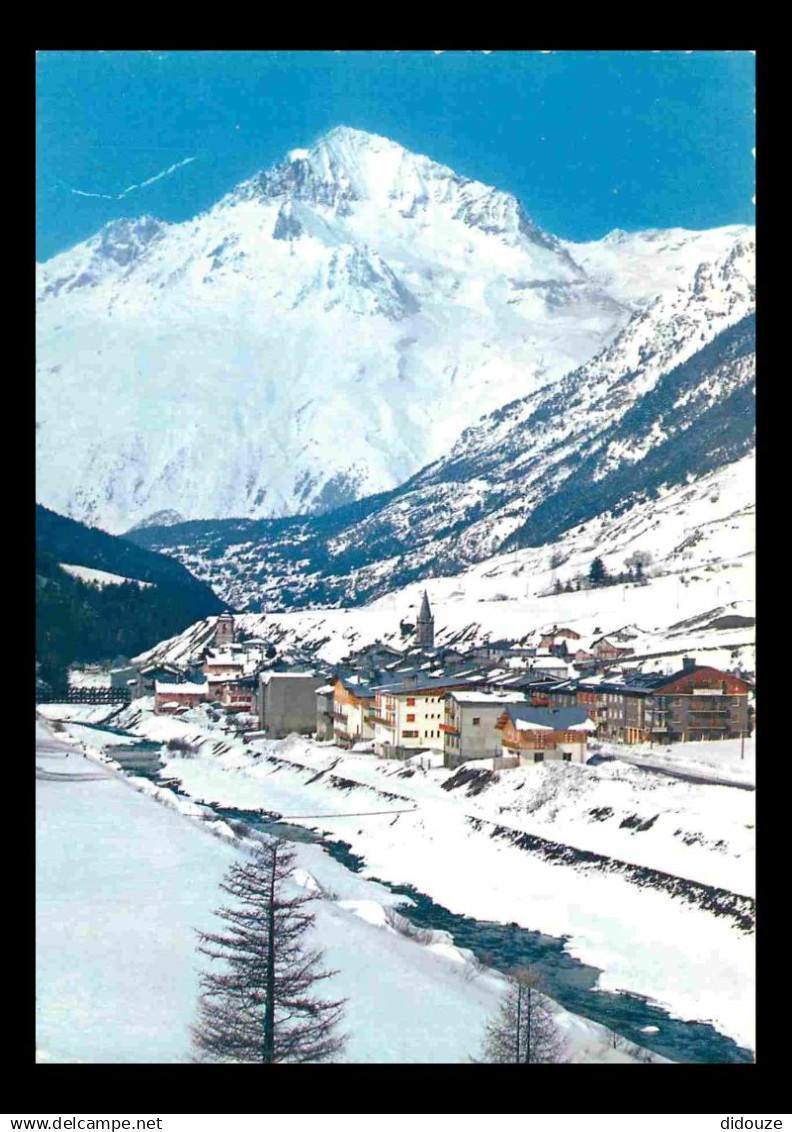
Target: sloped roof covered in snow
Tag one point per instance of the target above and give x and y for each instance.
(267, 676)
(550, 719)
(356, 686)
(430, 684)
(184, 689)
(485, 699)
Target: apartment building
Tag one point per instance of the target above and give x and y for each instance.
(408, 716)
(468, 726)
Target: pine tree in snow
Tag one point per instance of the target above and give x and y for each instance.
(262, 1005)
(524, 1030)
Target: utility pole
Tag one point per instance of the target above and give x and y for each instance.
(742, 744)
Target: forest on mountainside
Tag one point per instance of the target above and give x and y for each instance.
(85, 622)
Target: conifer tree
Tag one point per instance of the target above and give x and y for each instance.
(597, 572)
(262, 1006)
(524, 1030)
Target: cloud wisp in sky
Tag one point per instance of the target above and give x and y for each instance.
(132, 188)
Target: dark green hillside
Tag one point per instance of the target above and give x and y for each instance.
(69, 541)
(698, 442)
(77, 621)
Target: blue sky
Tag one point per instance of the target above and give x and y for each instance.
(588, 141)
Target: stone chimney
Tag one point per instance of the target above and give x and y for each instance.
(688, 663)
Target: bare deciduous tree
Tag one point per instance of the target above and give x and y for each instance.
(639, 558)
(262, 1006)
(524, 1030)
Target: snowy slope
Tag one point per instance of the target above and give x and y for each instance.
(356, 290)
(115, 934)
(669, 401)
(324, 331)
(700, 539)
(100, 578)
(637, 267)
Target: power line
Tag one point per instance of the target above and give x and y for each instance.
(362, 814)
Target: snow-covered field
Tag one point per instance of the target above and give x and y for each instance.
(590, 853)
(123, 882)
(729, 760)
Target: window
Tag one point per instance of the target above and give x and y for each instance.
(539, 757)
(476, 720)
(411, 701)
(566, 756)
(411, 719)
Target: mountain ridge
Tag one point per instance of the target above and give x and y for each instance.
(520, 477)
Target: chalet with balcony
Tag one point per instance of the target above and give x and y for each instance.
(353, 707)
(172, 698)
(692, 704)
(536, 734)
(698, 703)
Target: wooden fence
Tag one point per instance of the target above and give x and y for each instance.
(69, 695)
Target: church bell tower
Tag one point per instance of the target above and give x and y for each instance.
(424, 628)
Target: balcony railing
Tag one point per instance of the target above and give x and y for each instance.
(708, 710)
(391, 723)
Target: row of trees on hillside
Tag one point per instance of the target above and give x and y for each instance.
(267, 1001)
(598, 574)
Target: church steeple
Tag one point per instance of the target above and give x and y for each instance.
(424, 629)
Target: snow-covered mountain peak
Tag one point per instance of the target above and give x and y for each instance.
(354, 292)
(369, 166)
(348, 170)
